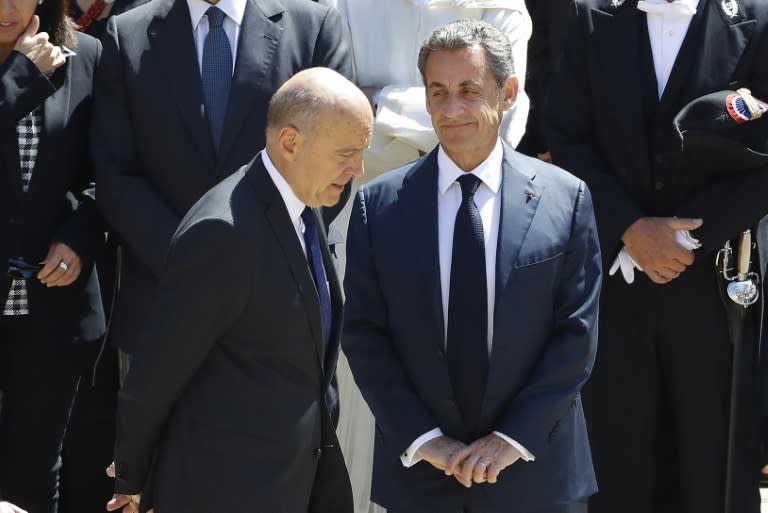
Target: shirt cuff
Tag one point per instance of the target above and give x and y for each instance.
(409, 458)
(526, 454)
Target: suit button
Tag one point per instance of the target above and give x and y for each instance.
(318, 453)
(659, 185)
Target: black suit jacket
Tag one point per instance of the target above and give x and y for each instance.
(544, 340)
(229, 393)
(60, 204)
(602, 130)
(152, 149)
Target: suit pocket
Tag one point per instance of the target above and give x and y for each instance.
(522, 264)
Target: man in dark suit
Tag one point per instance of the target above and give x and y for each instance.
(470, 323)
(657, 403)
(181, 103)
(226, 406)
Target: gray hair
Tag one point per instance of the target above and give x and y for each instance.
(298, 106)
(466, 33)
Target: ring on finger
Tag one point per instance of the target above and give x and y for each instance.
(63, 265)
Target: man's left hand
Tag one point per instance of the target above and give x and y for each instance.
(482, 460)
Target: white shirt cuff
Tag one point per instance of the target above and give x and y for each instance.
(409, 458)
(526, 454)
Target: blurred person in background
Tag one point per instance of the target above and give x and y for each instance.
(50, 233)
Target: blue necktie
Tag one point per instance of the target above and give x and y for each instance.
(216, 73)
(467, 339)
(315, 258)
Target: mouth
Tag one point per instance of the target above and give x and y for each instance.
(7, 24)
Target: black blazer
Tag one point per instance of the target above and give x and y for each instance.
(60, 204)
(605, 130)
(229, 391)
(152, 150)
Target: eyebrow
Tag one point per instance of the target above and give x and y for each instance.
(462, 84)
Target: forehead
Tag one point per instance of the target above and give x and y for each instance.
(462, 64)
(345, 129)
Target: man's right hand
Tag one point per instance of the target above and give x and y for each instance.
(129, 503)
(46, 56)
(438, 451)
(651, 243)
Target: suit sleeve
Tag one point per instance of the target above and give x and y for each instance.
(367, 340)
(22, 88)
(84, 229)
(567, 361)
(571, 139)
(333, 48)
(126, 197)
(201, 293)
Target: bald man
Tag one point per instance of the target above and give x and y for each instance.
(228, 408)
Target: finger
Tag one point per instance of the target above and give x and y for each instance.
(132, 507)
(675, 223)
(667, 274)
(54, 276)
(479, 472)
(656, 277)
(73, 273)
(675, 266)
(468, 469)
(118, 501)
(17, 509)
(492, 473)
(111, 470)
(457, 459)
(32, 28)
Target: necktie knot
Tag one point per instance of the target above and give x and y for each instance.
(667, 8)
(469, 184)
(215, 17)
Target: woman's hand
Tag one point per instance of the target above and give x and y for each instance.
(46, 56)
(62, 266)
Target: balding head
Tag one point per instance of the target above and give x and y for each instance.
(318, 125)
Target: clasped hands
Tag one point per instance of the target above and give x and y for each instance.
(651, 243)
(479, 462)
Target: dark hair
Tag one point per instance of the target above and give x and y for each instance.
(54, 20)
(464, 34)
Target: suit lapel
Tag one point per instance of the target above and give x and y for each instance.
(337, 303)
(285, 233)
(618, 47)
(55, 113)
(520, 197)
(256, 48)
(170, 33)
(708, 64)
(418, 198)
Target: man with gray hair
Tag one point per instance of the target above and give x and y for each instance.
(470, 323)
(228, 406)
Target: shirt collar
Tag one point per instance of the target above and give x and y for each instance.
(293, 204)
(234, 9)
(693, 4)
(489, 170)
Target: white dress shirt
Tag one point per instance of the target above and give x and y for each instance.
(666, 31)
(488, 201)
(293, 204)
(234, 10)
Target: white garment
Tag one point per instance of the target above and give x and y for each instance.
(293, 204)
(234, 10)
(488, 201)
(386, 36)
(667, 25)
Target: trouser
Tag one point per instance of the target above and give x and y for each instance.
(657, 404)
(38, 379)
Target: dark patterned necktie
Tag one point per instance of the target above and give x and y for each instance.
(315, 259)
(216, 73)
(467, 340)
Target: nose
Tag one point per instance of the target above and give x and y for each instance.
(452, 106)
(356, 168)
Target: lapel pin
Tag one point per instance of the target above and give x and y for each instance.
(529, 195)
(730, 8)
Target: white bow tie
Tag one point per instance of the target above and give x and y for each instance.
(665, 8)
